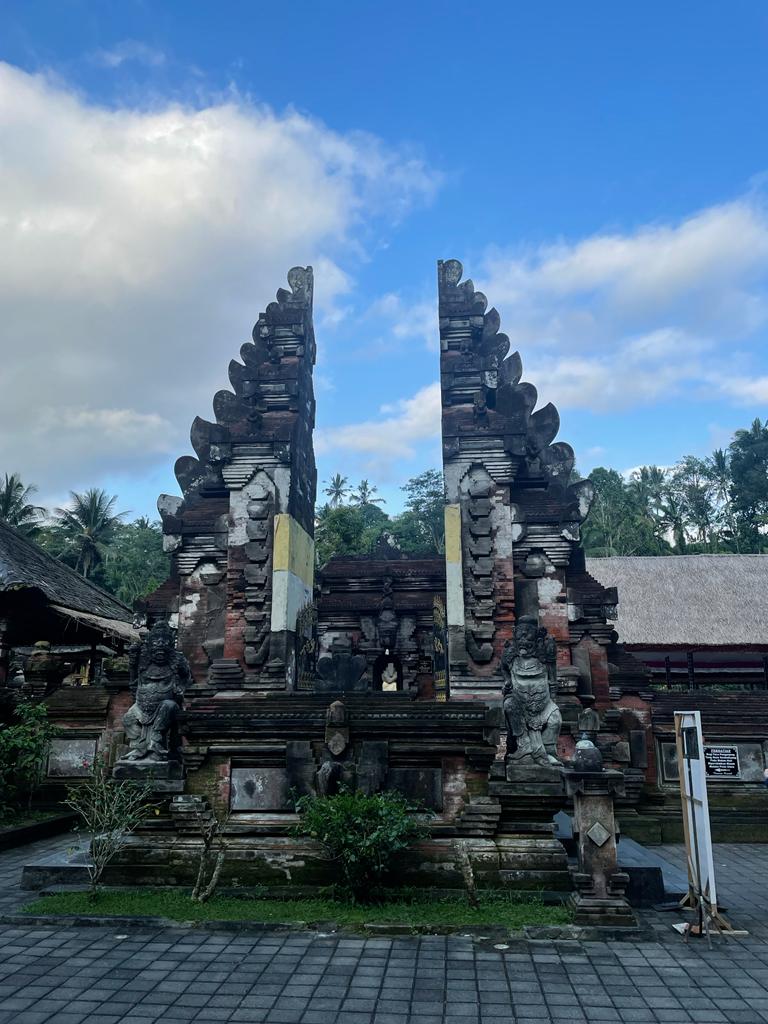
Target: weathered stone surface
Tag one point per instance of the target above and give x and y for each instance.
(71, 758)
(600, 884)
(260, 789)
(163, 776)
(159, 676)
(422, 785)
(533, 718)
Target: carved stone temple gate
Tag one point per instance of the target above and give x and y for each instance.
(461, 680)
(241, 538)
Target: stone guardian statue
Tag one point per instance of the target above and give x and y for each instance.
(533, 719)
(159, 675)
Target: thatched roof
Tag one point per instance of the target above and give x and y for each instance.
(23, 565)
(708, 600)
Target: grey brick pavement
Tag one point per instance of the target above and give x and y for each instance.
(103, 976)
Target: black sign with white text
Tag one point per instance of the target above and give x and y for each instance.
(722, 762)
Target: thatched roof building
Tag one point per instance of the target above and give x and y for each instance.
(689, 600)
(42, 599)
(693, 619)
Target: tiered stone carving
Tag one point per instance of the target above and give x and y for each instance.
(513, 509)
(241, 536)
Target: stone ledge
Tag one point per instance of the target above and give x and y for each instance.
(534, 935)
(21, 835)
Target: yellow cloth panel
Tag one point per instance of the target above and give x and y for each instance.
(453, 534)
(294, 549)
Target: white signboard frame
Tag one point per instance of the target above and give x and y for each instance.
(693, 792)
(702, 892)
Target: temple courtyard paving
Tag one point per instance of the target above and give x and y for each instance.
(105, 975)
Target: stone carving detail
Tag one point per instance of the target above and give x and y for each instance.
(387, 623)
(253, 463)
(258, 573)
(159, 676)
(331, 772)
(588, 722)
(342, 670)
(337, 728)
(533, 719)
(502, 465)
(478, 570)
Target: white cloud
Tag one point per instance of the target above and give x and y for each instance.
(638, 370)
(408, 320)
(396, 434)
(621, 319)
(746, 390)
(128, 51)
(137, 248)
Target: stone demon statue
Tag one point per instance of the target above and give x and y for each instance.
(533, 719)
(159, 676)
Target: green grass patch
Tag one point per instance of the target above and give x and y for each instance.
(496, 908)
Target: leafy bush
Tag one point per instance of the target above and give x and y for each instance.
(361, 833)
(24, 746)
(110, 811)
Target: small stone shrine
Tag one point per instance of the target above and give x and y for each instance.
(462, 681)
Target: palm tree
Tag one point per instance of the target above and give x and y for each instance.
(673, 520)
(647, 487)
(89, 523)
(719, 469)
(337, 490)
(15, 507)
(755, 432)
(364, 495)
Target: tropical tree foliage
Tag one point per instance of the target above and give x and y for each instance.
(88, 525)
(420, 529)
(348, 530)
(16, 509)
(355, 529)
(714, 504)
(337, 489)
(136, 563)
(24, 746)
(365, 494)
(748, 457)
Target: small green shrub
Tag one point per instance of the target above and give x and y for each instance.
(361, 833)
(24, 746)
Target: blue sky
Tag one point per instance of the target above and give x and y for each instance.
(600, 169)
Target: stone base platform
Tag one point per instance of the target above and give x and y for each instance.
(167, 859)
(165, 776)
(601, 913)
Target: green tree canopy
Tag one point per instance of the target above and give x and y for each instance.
(88, 526)
(16, 509)
(420, 528)
(136, 563)
(625, 518)
(347, 530)
(749, 485)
